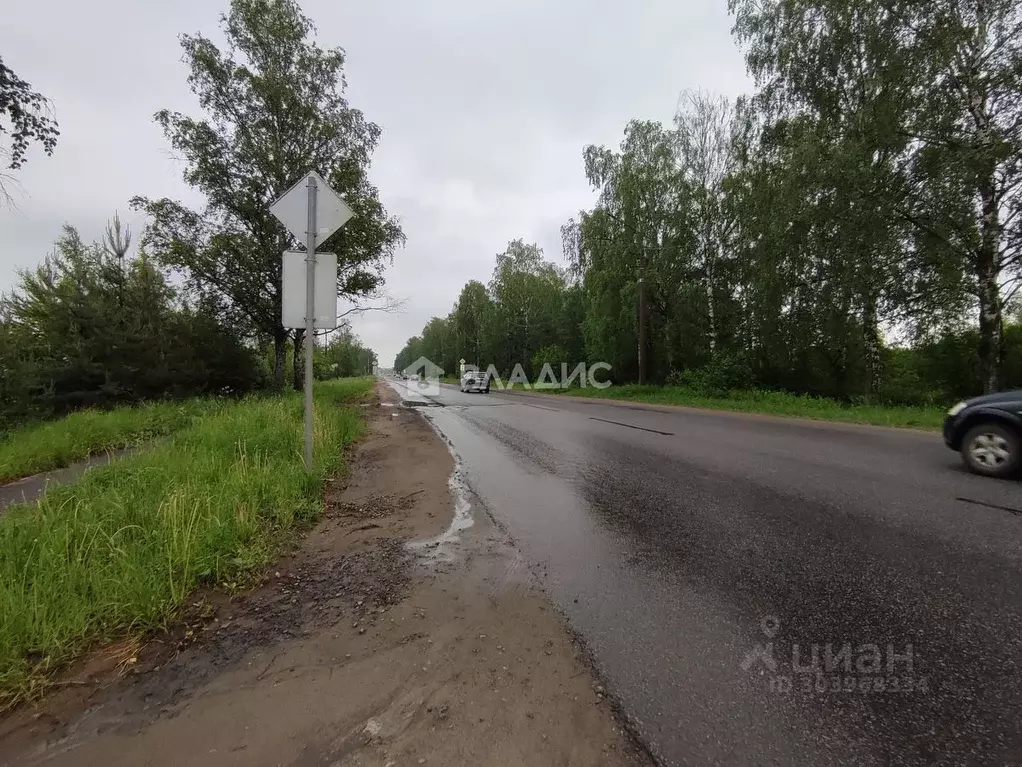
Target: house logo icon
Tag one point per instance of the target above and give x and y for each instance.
(423, 377)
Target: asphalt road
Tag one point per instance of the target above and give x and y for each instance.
(765, 591)
(29, 489)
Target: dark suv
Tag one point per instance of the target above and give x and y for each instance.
(987, 431)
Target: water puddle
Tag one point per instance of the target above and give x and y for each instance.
(443, 547)
(412, 399)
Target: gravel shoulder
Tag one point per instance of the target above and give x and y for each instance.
(356, 649)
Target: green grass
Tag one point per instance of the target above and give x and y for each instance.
(120, 550)
(773, 403)
(54, 444)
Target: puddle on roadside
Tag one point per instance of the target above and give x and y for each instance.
(408, 398)
(443, 547)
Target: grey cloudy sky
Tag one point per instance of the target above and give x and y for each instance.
(485, 108)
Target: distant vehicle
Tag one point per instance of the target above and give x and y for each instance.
(987, 431)
(478, 380)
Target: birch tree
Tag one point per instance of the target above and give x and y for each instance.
(274, 110)
(933, 89)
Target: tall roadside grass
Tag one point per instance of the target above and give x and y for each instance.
(55, 444)
(773, 403)
(120, 550)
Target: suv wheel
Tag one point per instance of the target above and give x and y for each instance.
(991, 449)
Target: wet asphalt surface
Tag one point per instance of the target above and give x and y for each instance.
(765, 591)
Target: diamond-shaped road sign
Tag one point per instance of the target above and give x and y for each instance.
(292, 209)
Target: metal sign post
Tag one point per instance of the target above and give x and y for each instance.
(311, 217)
(310, 316)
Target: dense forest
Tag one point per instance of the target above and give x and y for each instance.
(853, 228)
(197, 309)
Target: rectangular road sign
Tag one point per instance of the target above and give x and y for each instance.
(293, 290)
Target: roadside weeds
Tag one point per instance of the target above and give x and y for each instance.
(120, 550)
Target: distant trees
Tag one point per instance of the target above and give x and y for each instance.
(92, 326)
(852, 229)
(411, 351)
(343, 356)
(526, 307)
(275, 110)
(471, 322)
(628, 251)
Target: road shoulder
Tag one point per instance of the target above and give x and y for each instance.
(355, 650)
(658, 407)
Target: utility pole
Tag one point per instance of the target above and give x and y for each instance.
(639, 248)
(642, 328)
(643, 317)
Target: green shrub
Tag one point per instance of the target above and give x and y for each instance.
(725, 372)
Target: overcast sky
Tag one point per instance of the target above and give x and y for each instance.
(485, 108)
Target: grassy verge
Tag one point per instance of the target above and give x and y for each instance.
(121, 549)
(773, 403)
(52, 445)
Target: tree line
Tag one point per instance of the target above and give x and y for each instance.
(198, 309)
(91, 327)
(852, 229)
(530, 307)
(94, 326)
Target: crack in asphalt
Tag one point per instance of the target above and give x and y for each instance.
(631, 426)
(1009, 509)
